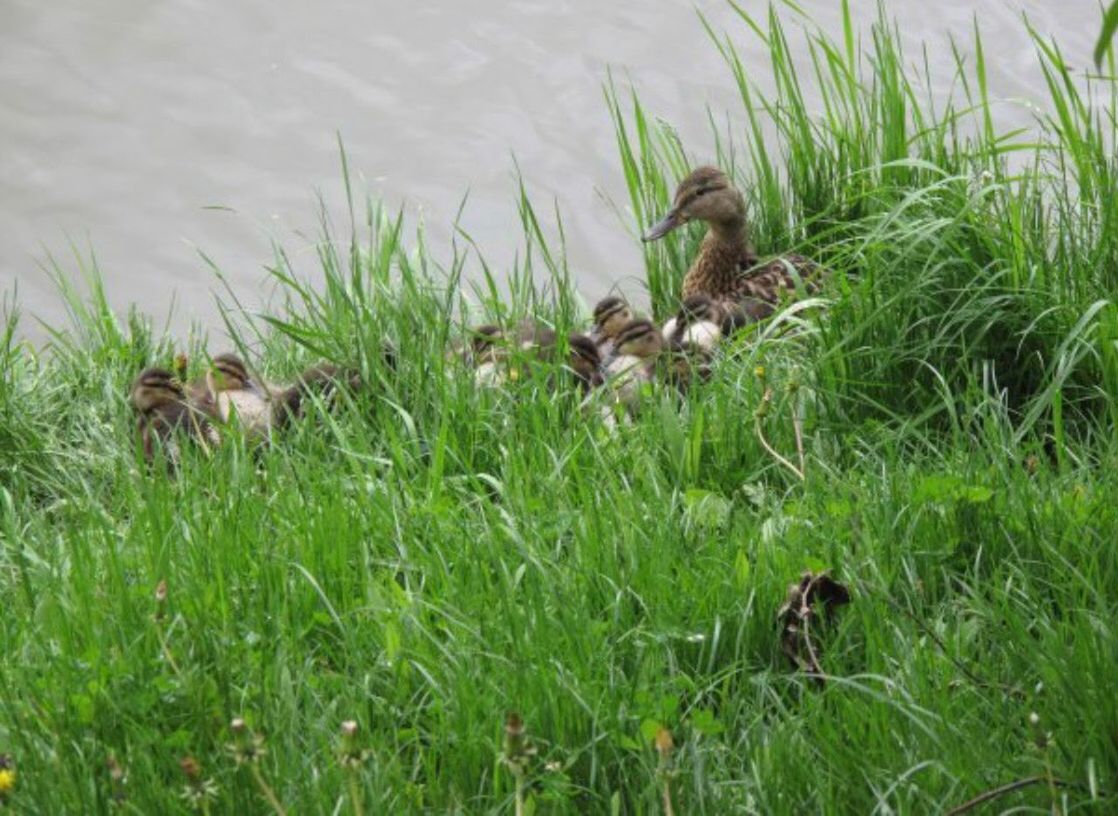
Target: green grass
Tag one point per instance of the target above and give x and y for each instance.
(430, 557)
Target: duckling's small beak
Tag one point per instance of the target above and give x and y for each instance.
(669, 223)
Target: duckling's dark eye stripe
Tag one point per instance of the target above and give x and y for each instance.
(635, 332)
(605, 314)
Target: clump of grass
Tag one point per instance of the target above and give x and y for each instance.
(429, 555)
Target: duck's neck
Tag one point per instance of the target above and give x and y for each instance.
(728, 232)
(725, 251)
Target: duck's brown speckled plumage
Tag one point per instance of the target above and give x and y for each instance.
(727, 270)
(726, 267)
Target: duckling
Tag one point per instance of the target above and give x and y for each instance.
(611, 315)
(585, 361)
(726, 267)
(230, 392)
(533, 336)
(163, 411)
(488, 353)
(638, 345)
(699, 323)
(687, 364)
(538, 343)
(322, 379)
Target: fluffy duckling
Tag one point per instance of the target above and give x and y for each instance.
(585, 361)
(163, 412)
(229, 392)
(611, 315)
(634, 364)
(699, 323)
(534, 337)
(726, 267)
(687, 364)
(538, 343)
(322, 380)
(488, 353)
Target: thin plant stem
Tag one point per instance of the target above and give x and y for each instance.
(667, 796)
(797, 427)
(765, 443)
(355, 795)
(167, 654)
(267, 791)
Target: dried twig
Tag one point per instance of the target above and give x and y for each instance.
(1009, 787)
(796, 615)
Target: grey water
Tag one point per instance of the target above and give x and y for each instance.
(149, 134)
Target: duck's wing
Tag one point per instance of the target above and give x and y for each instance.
(766, 280)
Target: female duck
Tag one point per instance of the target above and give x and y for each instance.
(727, 268)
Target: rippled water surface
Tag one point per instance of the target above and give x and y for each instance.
(148, 132)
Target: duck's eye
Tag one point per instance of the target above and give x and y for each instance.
(709, 188)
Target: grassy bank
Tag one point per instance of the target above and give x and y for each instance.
(430, 557)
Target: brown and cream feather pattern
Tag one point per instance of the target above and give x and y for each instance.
(730, 270)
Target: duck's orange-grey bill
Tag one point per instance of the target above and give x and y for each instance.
(669, 223)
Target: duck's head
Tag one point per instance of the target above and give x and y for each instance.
(611, 315)
(585, 360)
(705, 195)
(641, 339)
(698, 307)
(155, 388)
(227, 373)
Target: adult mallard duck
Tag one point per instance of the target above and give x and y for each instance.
(164, 413)
(726, 268)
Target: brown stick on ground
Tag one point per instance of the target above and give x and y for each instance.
(796, 614)
(1009, 787)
